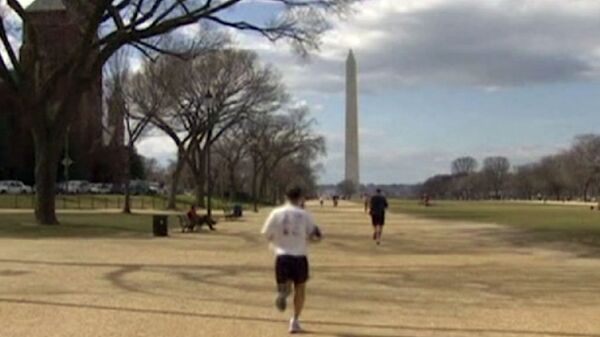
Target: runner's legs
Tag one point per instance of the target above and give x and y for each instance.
(299, 298)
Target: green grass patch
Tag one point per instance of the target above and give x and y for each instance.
(553, 222)
(80, 226)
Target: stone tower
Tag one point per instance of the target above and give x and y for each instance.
(352, 157)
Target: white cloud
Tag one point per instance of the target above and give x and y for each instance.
(489, 44)
(161, 148)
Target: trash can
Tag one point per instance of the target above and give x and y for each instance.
(237, 210)
(160, 225)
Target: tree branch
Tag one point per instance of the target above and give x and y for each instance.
(14, 60)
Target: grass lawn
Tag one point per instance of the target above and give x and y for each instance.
(549, 222)
(80, 226)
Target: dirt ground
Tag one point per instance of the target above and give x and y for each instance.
(429, 278)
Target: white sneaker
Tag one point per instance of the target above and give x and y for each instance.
(295, 326)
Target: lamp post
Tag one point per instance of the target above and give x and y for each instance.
(67, 161)
(209, 109)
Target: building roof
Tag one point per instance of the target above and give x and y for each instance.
(46, 6)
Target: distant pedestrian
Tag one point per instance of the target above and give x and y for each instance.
(321, 201)
(288, 229)
(366, 202)
(378, 206)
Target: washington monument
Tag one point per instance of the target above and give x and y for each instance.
(352, 166)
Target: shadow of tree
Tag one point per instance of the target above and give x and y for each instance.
(335, 324)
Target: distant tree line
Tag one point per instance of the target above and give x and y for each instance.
(573, 174)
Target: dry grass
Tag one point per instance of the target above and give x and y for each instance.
(429, 278)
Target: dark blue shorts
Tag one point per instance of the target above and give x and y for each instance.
(378, 219)
(289, 268)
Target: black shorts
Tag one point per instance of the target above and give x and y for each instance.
(291, 268)
(378, 219)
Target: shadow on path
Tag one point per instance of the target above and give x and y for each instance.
(474, 331)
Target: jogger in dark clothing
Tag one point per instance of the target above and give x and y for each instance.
(378, 205)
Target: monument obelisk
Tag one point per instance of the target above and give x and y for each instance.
(352, 166)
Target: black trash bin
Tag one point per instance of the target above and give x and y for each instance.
(160, 225)
(237, 210)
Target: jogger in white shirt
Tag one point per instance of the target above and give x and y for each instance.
(288, 228)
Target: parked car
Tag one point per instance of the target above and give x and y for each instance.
(136, 187)
(74, 187)
(98, 188)
(14, 187)
(139, 187)
(154, 188)
(95, 188)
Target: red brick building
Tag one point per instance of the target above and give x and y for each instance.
(57, 30)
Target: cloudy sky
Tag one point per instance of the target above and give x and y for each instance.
(445, 78)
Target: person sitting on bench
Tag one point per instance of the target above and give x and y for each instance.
(197, 220)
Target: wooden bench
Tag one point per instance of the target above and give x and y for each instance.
(185, 223)
(188, 225)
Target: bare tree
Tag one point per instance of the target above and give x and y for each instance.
(464, 166)
(238, 87)
(438, 186)
(126, 97)
(274, 138)
(299, 170)
(232, 148)
(154, 171)
(526, 182)
(47, 88)
(463, 183)
(553, 172)
(585, 162)
(496, 170)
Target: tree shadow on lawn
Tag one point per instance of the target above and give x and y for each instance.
(327, 323)
(130, 226)
(580, 243)
(23, 226)
(466, 239)
(554, 229)
(474, 281)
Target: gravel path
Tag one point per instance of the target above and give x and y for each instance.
(429, 278)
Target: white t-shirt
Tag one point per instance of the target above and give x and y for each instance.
(289, 228)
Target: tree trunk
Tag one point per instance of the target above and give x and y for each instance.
(175, 183)
(126, 179)
(262, 191)
(586, 188)
(200, 181)
(232, 182)
(47, 153)
(127, 202)
(254, 187)
(199, 192)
